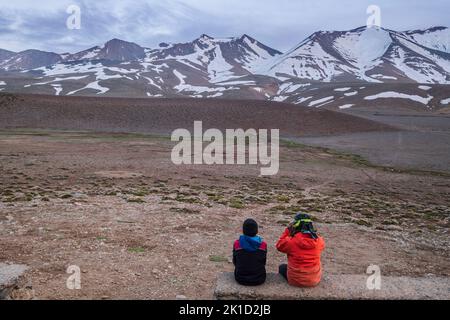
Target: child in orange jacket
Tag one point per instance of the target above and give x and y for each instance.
(303, 247)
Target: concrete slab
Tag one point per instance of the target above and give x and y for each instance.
(336, 287)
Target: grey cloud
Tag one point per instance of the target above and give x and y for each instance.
(278, 23)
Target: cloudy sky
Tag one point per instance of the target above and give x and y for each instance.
(278, 23)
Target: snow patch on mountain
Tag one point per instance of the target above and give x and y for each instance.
(57, 88)
(437, 38)
(242, 82)
(382, 76)
(219, 69)
(93, 85)
(346, 106)
(303, 99)
(420, 70)
(57, 79)
(290, 87)
(342, 89)
(183, 86)
(350, 94)
(320, 101)
(392, 94)
(364, 48)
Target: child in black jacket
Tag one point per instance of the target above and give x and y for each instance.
(249, 256)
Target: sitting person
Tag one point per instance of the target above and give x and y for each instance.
(303, 248)
(249, 256)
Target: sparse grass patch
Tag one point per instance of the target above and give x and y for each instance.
(283, 198)
(364, 223)
(220, 199)
(139, 193)
(217, 258)
(187, 199)
(184, 210)
(236, 204)
(136, 250)
(292, 145)
(135, 200)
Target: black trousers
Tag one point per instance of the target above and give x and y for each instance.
(282, 269)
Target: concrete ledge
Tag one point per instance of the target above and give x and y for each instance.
(336, 287)
(11, 278)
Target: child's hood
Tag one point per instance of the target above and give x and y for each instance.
(250, 243)
(305, 241)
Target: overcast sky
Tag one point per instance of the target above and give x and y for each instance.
(41, 24)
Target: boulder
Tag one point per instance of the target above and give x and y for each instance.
(12, 281)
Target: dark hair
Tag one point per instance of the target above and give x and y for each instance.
(250, 228)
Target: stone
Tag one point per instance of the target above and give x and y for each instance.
(336, 287)
(11, 278)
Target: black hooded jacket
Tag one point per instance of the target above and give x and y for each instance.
(250, 265)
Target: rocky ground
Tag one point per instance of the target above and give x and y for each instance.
(140, 227)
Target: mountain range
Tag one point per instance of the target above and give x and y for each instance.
(235, 67)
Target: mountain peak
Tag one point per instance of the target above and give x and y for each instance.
(205, 37)
(115, 39)
(30, 59)
(248, 38)
(119, 41)
(120, 50)
(428, 30)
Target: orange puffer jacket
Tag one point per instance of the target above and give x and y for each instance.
(304, 266)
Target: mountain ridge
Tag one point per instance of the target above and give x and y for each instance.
(234, 67)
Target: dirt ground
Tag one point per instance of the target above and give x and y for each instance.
(140, 227)
(421, 139)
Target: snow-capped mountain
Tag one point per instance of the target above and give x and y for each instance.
(237, 67)
(5, 54)
(437, 38)
(28, 59)
(368, 54)
(221, 58)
